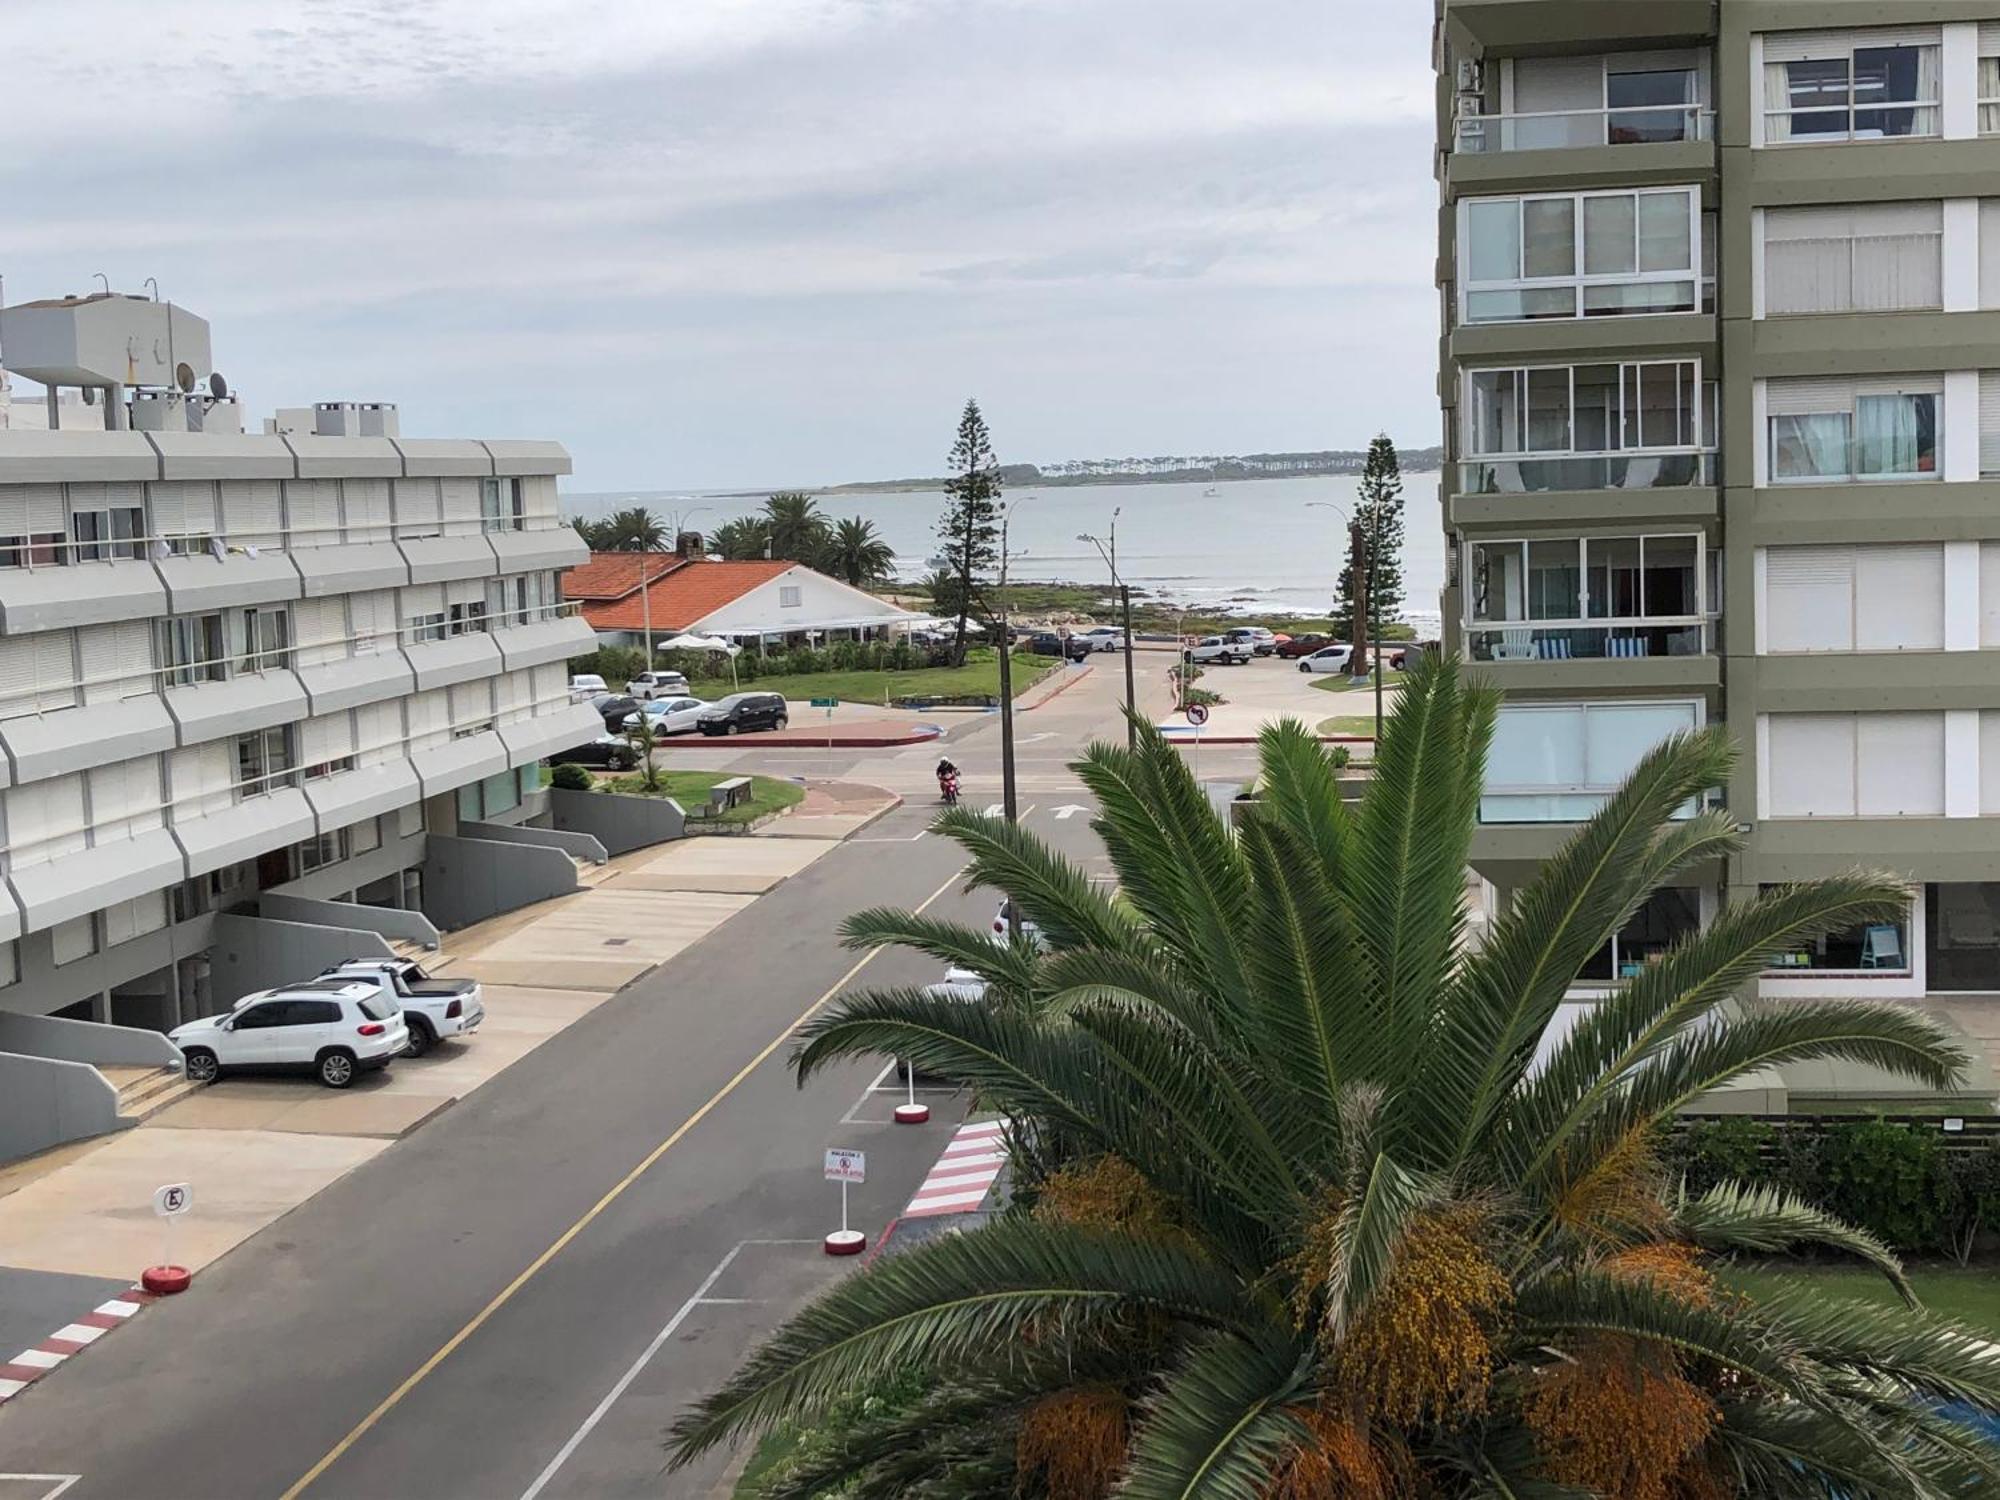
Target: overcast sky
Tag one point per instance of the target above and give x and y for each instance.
(720, 242)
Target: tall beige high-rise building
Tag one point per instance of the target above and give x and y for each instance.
(1721, 384)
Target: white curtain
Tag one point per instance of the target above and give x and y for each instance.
(1989, 89)
(1809, 447)
(1777, 96)
(1930, 67)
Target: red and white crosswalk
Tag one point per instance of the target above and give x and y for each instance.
(30, 1365)
(965, 1173)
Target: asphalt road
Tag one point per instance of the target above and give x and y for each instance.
(514, 1301)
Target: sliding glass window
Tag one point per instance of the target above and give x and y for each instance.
(1581, 255)
(1636, 425)
(1586, 597)
(1835, 430)
(1859, 86)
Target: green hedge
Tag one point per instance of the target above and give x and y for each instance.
(1910, 1184)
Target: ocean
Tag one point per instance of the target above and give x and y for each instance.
(1255, 546)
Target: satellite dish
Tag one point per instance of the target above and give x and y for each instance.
(184, 376)
(217, 386)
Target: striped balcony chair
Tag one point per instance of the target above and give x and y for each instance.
(1555, 648)
(1626, 646)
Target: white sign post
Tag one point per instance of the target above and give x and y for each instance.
(169, 1202)
(845, 1165)
(1197, 714)
(912, 1113)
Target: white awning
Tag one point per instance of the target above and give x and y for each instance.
(528, 740)
(245, 830)
(350, 796)
(89, 879)
(446, 767)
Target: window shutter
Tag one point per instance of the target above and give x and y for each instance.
(1899, 765)
(45, 820)
(183, 507)
(326, 738)
(373, 621)
(319, 626)
(1812, 765)
(13, 510)
(124, 799)
(253, 512)
(378, 731)
(204, 780)
(1989, 595)
(416, 502)
(513, 695)
(420, 600)
(551, 686)
(45, 507)
(17, 676)
(465, 591)
(1899, 598)
(1798, 46)
(1809, 599)
(471, 703)
(312, 512)
(134, 918)
(116, 660)
(1989, 38)
(1989, 252)
(1900, 385)
(37, 673)
(429, 718)
(1989, 762)
(1803, 398)
(367, 504)
(459, 501)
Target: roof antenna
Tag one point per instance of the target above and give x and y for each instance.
(105, 279)
(154, 283)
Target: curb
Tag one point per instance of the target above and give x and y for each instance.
(1187, 738)
(30, 1365)
(922, 735)
(1069, 680)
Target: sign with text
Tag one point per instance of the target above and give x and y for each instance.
(845, 1165)
(826, 703)
(173, 1200)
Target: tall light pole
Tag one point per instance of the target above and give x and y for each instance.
(1007, 710)
(1365, 616)
(1110, 557)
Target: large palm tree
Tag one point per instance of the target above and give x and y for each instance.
(634, 529)
(742, 540)
(1305, 1202)
(855, 552)
(798, 530)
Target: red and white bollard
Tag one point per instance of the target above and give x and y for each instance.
(912, 1113)
(844, 1241)
(164, 1281)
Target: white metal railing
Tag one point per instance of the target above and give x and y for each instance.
(1546, 130)
(56, 549)
(1587, 640)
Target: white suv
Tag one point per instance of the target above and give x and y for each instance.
(333, 1029)
(1104, 638)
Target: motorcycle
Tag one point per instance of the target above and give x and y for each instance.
(948, 788)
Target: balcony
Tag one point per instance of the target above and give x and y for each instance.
(1519, 27)
(1621, 641)
(1585, 471)
(1576, 129)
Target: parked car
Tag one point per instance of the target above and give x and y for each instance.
(1332, 658)
(1102, 638)
(433, 1009)
(741, 713)
(335, 1029)
(613, 707)
(586, 685)
(649, 685)
(612, 751)
(669, 715)
(1261, 641)
(1303, 645)
(1048, 643)
(1030, 930)
(1220, 650)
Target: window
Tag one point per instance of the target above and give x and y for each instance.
(1645, 104)
(191, 650)
(327, 849)
(1989, 78)
(265, 639)
(1868, 765)
(788, 596)
(1556, 763)
(32, 526)
(1857, 86)
(1869, 598)
(1665, 917)
(1635, 425)
(365, 836)
(501, 793)
(37, 673)
(1581, 254)
(1556, 587)
(74, 939)
(427, 628)
(1878, 948)
(501, 506)
(264, 760)
(104, 534)
(1962, 937)
(466, 619)
(1616, 100)
(1834, 430)
(1876, 257)
(1989, 424)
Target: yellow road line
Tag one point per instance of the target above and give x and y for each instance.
(506, 1294)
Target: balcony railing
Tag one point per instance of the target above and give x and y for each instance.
(1568, 642)
(1554, 130)
(1588, 471)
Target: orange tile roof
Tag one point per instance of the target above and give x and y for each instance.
(681, 596)
(613, 575)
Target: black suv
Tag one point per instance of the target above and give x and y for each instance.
(1048, 643)
(740, 713)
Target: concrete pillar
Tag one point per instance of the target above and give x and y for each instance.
(100, 1006)
(172, 1003)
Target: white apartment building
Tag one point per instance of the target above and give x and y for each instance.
(248, 674)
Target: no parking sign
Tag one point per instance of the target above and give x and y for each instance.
(1197, 714)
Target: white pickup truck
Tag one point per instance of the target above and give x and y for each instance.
(434, 1008)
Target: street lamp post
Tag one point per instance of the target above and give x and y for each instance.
(1110, 557)
(1007, 710)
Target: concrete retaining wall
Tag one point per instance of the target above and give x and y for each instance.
(260, 953)
(582, 845)
(469, 880)
(86, 1042)
(391, 922)
(46, 1101)
(621, 824)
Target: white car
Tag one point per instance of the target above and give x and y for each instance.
(1029, 930)
(1220, 650)
(1327, 659)
(1256, 637)
(585, 686)
(669, 715)
(332, 1028)
(1103, 638)
(433, 1009)
(650, 685)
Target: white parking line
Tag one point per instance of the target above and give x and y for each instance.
(625, 1381)
(60, 1482)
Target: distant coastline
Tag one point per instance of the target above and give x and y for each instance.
(1257, 466)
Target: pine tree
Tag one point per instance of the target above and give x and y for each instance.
(970, 528)
(1379, 513)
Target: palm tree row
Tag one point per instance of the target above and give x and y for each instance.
(790, 528)
(1309, 1199)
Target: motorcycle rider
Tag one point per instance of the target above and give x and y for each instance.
(947, 776)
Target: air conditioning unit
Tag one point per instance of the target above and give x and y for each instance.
(1468, 106)
(1471, 79)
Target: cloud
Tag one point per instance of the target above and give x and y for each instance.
(720, 241)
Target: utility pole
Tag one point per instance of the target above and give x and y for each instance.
(1358, 664)
(646, 603)
(1124, 593)
(1007, 713)
(1375, 622)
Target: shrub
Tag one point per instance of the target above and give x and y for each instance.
(571, 778)
(1975, 1180)
(1890, 1179)
(1204, 696)
(903, 657)
(617, 665)
(1731, 1147)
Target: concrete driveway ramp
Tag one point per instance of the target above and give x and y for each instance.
(735, 866)
(602, 942)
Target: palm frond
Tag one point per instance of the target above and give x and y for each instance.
(1051, 892)
(1736, 1216)
(1075, 977)
(1010, 967)
(1218, 1425)
(1880, 1346)
(958, 1303)
(1301, 788)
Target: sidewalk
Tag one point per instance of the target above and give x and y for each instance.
(1267, 690)
(251, 1149)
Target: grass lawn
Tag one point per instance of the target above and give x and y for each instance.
(1968, 1296)
(1340, 682)
(980, 674)
(1362, 724)
(768, 794)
